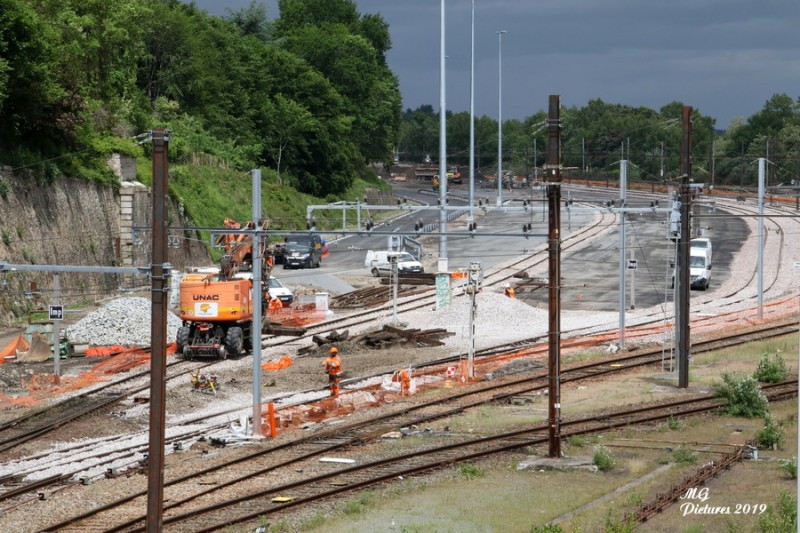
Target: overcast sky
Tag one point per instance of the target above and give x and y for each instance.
(724, 58)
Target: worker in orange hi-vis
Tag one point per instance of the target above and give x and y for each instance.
(405, 382)
(274, 305)
(333, 367)
(509, 291)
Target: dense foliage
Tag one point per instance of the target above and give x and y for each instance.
(311, 98)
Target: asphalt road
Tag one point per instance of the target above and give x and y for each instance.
(590, 276)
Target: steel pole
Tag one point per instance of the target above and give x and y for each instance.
(623, 185)
(472, 121)
(553, 179)
(57, 329)
(158, 335)
(682, 266)
(442, 146)
(255, 328)
(500, 117)
(761, 179)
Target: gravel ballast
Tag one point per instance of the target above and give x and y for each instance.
(124, 321)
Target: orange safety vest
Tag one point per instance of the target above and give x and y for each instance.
(333, 365)
(509, 291)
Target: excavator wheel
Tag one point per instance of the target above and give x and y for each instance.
(182, 339)
(234, 341)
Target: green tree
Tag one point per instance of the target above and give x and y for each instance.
(252, 20)
(286, 120)
(419, 134)
(99, 44)
(36, 111)
(323, 159)
(330, 39)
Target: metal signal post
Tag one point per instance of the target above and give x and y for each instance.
(553, 173)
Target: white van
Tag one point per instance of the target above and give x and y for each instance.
(379, 262)
(702, 243)
(699, 268)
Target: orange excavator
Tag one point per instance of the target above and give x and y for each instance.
(217, 308)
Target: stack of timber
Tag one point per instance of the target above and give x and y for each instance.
(413, 278)
(391, 335)
(368, 297)
(271, 327)
(386, 337)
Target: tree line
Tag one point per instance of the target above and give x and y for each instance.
(595, 137)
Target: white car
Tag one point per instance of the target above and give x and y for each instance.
(276, 288)
(279, 291)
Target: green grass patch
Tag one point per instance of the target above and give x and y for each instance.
(742, 396)
(489, 418)
(603, 459)
(470, 470)
(789, 466)
(684, 456)
(771, 369)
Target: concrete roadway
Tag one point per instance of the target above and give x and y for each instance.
(591, 275)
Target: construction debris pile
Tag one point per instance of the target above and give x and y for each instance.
(369, 297)
(124, 321)
(386, 337)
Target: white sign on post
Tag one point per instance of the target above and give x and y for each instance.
(56, 312)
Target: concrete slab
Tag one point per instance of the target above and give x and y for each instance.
(535, 462)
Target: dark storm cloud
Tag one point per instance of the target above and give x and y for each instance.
(723, 57)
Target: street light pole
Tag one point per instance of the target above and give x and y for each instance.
(472, 122)
(442, 148)
(500, 116)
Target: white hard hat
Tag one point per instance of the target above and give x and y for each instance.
(507, 285)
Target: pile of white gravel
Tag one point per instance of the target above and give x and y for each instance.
(498, 319)
(124, 321)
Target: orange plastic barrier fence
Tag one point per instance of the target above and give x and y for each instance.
(283, 362)
(105, 351)
(44, 385)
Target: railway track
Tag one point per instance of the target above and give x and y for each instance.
(481, 393)
(277, 460)
(38, 422)
(498, 350)
(426, 298)
(194, 515)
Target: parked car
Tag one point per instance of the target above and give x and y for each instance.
(379, 262)
(303, 251)
(699, 269)
(278, 290)
(702, 243)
